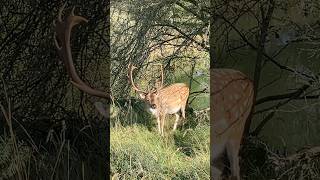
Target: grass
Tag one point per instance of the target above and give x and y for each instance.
(137, 152)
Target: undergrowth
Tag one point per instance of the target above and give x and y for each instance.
(260, 161)
(12, 160)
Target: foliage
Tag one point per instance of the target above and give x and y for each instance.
(151, 34)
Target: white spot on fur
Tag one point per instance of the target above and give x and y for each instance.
(173, 110)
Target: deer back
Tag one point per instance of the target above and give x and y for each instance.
(172, 97)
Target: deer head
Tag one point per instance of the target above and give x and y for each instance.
(231, 102)
(150, 96)
(163, 100)
(62, 34)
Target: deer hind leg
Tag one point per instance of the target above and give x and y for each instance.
(183, 111)
(217, 166)
(233, 156)
(216, 173)
(217, 162)
(176, 122)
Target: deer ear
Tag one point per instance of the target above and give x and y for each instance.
(142, 95)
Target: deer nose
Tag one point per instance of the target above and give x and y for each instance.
(153, 106)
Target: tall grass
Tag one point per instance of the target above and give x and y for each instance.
(137, 152)
(59, 157)
(13, 155)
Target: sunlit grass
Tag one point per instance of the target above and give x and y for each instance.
(137, 152)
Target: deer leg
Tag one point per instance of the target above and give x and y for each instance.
(216, 173)
(176, 122)
(159, 124)
(217, 166)
(217, 163)
(162, 125)
(183, 112)
(233, 156)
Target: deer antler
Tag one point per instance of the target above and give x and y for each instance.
(131, 68)
(62, 34)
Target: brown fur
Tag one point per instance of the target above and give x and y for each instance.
(167, 100)
(164, 100)
(231, 102)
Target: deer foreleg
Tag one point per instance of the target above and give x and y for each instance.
(162, 124)
(159, 124)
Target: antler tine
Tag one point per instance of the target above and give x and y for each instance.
(56, 42)
(58, 25)
(89, 90)
(63, 34)
(72, 11)
(60, 12)
(131, 68)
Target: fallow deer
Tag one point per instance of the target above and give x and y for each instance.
(63, 28)
(231, 102)
(164, 100)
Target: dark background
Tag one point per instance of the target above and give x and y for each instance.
(51, 130)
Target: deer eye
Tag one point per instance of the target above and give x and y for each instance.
(153, 106)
